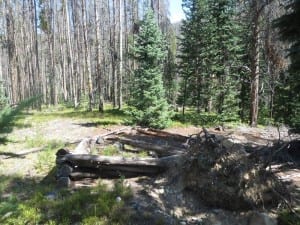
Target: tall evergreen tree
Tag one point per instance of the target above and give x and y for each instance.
(148, 105)
(211, 56)
(225, 53)
(192, 57)
(288, 99)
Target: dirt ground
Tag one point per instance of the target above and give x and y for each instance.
(156, 200)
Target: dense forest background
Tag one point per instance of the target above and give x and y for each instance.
(225, 59)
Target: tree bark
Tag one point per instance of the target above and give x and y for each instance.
(98, 57)
(87, 56)
(120, 78)
(255, 65)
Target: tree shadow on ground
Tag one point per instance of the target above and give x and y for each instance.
(38, 200)
(98, 123)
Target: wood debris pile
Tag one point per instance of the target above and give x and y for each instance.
(221, 173)
(163, 149)
(228, 177)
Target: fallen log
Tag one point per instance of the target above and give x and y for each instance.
(114, 171)
(115, 131)
(163, 134)
(86, 160)
(161, 151)
(79, 166)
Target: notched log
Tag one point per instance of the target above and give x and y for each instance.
(160, 150)
(80, 164)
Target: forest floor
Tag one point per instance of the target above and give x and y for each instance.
(154, 200)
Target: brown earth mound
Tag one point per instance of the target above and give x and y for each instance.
(228, 177)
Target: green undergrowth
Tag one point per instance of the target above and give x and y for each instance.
(24, 201)
(287, 217)
(30, 118)
(202, 119)
(114, 150)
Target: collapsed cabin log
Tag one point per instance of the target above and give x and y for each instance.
(78, 166)
(160, 150)
(162, 134)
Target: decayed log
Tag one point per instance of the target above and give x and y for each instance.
(163, 134)
(160, 150)
(115, 131)
(78, 166)
(84, 147)
(114, 171)
(85, 160)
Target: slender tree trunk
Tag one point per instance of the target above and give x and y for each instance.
(98, 59)
(38, 84)
(120, 79)
(87, 56)
(10, 40)
(255, 65)
(114, 56)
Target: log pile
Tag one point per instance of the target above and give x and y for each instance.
(219, 172)
(80, 163)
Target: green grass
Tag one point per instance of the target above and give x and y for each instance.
(25, 199)
(109, 117)
(21, 205)
(46, 158)
(113, 150)
(288, 218)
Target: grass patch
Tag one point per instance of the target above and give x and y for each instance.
(286, 217)
(110, 150)
(97, 205)
(109, 117)
(114, 150)
(197, 119)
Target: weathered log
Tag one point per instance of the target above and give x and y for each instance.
(79, 166)
(163, 134)
(115, 131)
(85, 160)
(160, 150)
(114, 171)
(84, 147)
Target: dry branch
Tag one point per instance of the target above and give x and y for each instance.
(115, 131)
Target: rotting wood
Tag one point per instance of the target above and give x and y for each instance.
(80, 166)
(22, 154)
(118, 131)
(86, 160)
(115, 131)
(165, 150)
(164, 134)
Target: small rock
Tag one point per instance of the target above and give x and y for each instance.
(118, 199)
(51, 196)
(100, 140)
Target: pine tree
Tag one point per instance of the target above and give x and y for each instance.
(288, 97)
(192, 55)
(225, 55)
(148, 105)
(211, 56)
